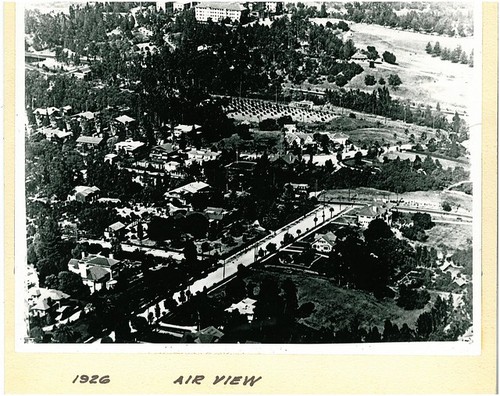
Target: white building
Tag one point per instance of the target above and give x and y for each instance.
(217, 11)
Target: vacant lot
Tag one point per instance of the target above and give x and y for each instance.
(450, 236)
(446, 163)
(338, 307)
(418, 199)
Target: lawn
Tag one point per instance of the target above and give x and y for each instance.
(338, 307)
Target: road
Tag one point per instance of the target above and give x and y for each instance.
(248, 256)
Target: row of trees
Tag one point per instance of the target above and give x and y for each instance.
(455, 56)
(443, 19)
(380, 102)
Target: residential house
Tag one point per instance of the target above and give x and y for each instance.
(163, 152)
(324, 243)
(240, 173)
(338, 138)
(97, 272)
(371, 212)
(115, 230)
(183, 129)
(359, 56)
(130, 147)
(84, 194)
(184, 193)
(245, 307)
(283, 161)
(85, 144)
(202, 155)
(42, 301)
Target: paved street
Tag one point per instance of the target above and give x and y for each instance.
(249, 255)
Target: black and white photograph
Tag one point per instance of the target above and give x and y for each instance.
(269, 172)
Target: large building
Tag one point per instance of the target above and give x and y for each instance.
(217, 11)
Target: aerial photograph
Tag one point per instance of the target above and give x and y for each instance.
(267, 172)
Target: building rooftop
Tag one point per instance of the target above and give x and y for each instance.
(222, 6)
(89, 140)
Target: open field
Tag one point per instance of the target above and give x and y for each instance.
(461, 203)
(446, 163)
(452, 236)
(426, 80)
(338, 307)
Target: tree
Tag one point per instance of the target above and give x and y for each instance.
(381, 81)
(394, 80)
(389, 57)
(71, 283)
(437, 49)
(370, 80)
(190, 252)
(271, 248)
(377, 229)
(428, 48)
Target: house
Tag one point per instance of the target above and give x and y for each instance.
(115, 230)
(217, 11)
(202, 155)
(45, 300)
(305, 139)
(82, 73)
(240, 173)
(299, 189)
(359, 56)
(97, 272)
(338, 138)
(324, 243)
(183, 129)
(245, 307)
(85, 144)
(84, 194)
(371, 212)
(184, 193)
(282, 160)
(130, 147)
(162, 152)
(125, 120)
(290, 128)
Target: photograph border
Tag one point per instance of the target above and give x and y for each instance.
(250, 359)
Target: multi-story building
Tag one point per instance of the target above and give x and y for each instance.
(217, 11)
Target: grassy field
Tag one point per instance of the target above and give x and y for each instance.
(426, 80)
(338, 307)
(446, 163)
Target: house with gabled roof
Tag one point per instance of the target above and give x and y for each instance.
(369, 213)
(115, 230)
(184, 193)
(84, 194)
(97, 272)
(324, 243)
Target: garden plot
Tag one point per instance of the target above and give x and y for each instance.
(256, 110)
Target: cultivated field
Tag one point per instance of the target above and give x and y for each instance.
(255, 110)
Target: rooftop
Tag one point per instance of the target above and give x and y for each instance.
(89, 140)
(222, 6)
